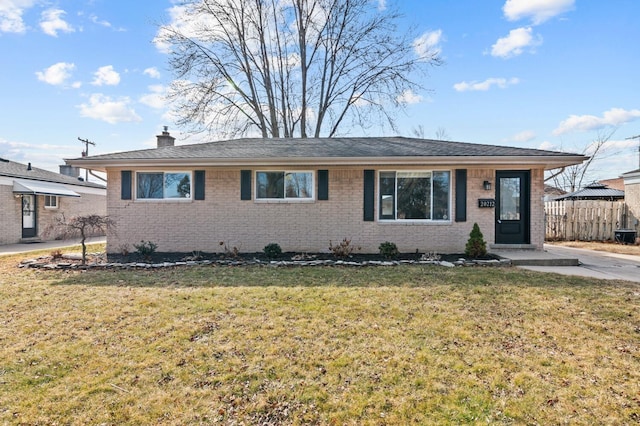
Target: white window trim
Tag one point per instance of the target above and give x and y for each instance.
(55, 197)
(162, 200)
(395, 195)
(311, 199)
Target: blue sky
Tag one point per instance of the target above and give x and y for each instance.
(549, 74)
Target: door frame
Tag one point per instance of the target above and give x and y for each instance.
(32, 231)
(514, 231)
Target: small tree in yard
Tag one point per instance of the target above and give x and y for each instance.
(476, 246)
(79, 226)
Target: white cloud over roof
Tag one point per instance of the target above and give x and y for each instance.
(485, 85)
(106, 75)
(538, 10)
(582, 123)
(52, 22)
(515, 43)
(101, 107)
(428, 44)
(11, 12)
(56, 74)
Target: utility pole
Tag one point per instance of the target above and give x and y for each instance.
(85, 153)
(636, 137)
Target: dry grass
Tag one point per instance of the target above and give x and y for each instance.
(608, 246)
(420, 345)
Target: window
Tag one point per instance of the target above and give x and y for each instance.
(415, 195)
(51, 201)
(163, 185)
(284, 185)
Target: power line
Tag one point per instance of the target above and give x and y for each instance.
(85, 153)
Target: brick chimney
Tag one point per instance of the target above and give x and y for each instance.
(165, 139)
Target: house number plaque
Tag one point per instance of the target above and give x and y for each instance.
(486, 203)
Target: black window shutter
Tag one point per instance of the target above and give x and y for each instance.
(245, 184)
(369, 195)
(125, 184)
(323, 184)
(198, 182)
(461, 195)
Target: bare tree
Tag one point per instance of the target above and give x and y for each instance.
(82, 226)
(571, 178)
(289, 68)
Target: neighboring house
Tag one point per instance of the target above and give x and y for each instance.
(616, 183)
(632, 198)
(420, 194)
(30, 198)
(594, 191)
(551, 192)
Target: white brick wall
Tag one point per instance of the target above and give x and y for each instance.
(300, 227)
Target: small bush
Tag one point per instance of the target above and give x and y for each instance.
(232, 252)
(56, 254)
(272, 250)
(388, 250)
(476, 246)
(146, 248)
(343, 249)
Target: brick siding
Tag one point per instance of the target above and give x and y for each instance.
(186, 226)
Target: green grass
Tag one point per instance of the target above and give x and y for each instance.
(261, 345)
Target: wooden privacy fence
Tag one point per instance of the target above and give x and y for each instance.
(583, 220)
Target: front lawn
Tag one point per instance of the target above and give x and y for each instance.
(319, 345)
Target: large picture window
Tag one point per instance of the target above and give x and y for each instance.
(415, 195)
(285, 185)
(163, 185)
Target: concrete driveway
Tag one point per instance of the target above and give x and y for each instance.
(46, 245)
(595, 264)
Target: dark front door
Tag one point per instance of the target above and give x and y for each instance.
(512, 207)
(28, 216)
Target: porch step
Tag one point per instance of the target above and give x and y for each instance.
(30, 240)
(532, 257)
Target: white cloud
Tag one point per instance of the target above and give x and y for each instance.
(11, 15)
(106, 76)
(538, 10)
(583, 123)
(408, 97)
(156, 99)
(548, 146)
(428, 44)
(382, 4)
(502, 83)
(515, 43)
(101, 107)
(57, 74)
(52, 22)
(152, 72)
(524, 136)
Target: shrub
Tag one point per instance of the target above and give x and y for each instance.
(388, 250)
(343, 249)
(272, 250)
(56, 254)
(145, 248)
(476, 246)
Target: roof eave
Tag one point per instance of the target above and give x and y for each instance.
(548, 162)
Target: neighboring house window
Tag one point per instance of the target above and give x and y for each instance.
(415, 195)
(51, 201)
(163, 185)
(287, 185)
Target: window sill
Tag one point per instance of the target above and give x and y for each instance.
(415, 222)
(286, 201)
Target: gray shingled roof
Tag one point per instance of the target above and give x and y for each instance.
(374, 147)
(594, 191)
(19, 170)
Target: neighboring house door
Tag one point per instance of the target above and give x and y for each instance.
(28, 216)
(512, 207)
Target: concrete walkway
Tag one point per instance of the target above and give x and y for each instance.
(579, 262)
(46, 245)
